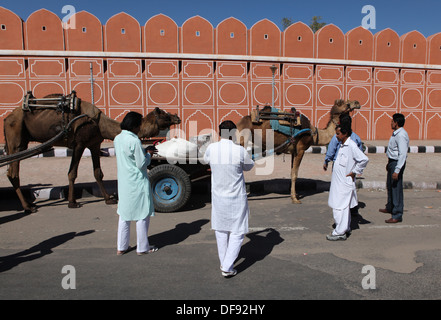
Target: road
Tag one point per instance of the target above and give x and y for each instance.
(61, 253)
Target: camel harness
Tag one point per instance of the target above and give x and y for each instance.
(63, 103)
(287, 123)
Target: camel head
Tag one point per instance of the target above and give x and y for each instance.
(164, 119)
(344, 106)
(156, 121)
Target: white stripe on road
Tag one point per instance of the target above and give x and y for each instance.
(395, 226)
(402, 226)
(254, 229)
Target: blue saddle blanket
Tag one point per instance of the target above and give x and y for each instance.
(287, 130)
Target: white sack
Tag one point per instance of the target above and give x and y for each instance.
(178, 148)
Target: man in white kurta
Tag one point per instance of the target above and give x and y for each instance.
(350, 161)
(229, 215)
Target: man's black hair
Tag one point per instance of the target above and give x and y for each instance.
(399, 119)
(131, 121)
(227, 129)
(345, 118)
(345, 128)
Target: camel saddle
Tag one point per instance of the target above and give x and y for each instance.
(287, 123)
(70, 103)
(285, 118)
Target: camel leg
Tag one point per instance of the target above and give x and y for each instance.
(296, 159)
(77, 153)
(98, 173)
(14, 178)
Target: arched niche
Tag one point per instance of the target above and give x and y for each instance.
(197, 36)
(86, 34)
(359, 44)
(413, 48)
(298, 41)
(387, 46)
(11, 30)
(231, 37)
(122, 33)
(434, 49)
(44, 31)
(329, 43)
(161, 35)
(265, 39)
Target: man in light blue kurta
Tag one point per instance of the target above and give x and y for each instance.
(134, 192)
(135, 196)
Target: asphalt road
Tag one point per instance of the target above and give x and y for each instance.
(60, 253)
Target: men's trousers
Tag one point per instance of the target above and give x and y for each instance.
(342, 218)
(395, 196)
(228, 247)
(142, 227)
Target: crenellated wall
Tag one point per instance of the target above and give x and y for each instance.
(207, 74)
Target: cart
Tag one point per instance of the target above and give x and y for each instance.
(171, 180)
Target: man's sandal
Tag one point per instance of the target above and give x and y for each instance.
(120, 253)
(152, 249)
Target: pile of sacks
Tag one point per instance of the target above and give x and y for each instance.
(178, 148)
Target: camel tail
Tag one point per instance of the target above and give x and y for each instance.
(5, 121)
(6, 141)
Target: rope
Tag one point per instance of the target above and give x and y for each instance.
(263, 154)
(288, 141)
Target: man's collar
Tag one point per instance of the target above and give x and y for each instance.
(346, 142)
(130, 133)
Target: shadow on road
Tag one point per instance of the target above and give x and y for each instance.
(39, 250)
(174, 236)
(259, 247)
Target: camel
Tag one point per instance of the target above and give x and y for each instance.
(41, 124)
(298, 145)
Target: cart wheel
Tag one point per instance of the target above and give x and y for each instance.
(171, 187)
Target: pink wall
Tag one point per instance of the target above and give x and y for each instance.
(204, 83)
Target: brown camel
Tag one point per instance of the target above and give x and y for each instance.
(298, 145)
(41, 124)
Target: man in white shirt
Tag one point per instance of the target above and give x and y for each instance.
(229, 213)
(397, 155)
(350, 161)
